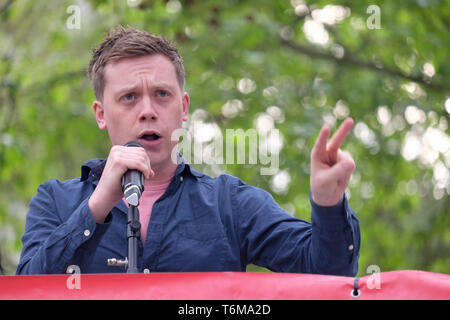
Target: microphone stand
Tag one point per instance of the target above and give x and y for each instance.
(133, 230)
(133, 227)
(132, 186)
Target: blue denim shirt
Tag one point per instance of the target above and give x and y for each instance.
(199, 224)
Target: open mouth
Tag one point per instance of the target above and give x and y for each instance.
(150, 137)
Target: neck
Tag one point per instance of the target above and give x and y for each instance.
(164, 172)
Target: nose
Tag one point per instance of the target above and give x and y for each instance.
(148, 111)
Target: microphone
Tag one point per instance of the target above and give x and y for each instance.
(133, 181)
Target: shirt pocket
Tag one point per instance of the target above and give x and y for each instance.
(200, 247)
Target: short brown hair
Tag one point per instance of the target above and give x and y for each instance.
(126, 43)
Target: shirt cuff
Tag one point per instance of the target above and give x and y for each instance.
(329, 217)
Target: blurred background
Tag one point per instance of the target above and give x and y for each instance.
(287, 65)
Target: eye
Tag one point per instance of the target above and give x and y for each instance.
(162, 93)
(128, 97)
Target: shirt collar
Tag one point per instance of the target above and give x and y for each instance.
(184, 166)
(94, 169)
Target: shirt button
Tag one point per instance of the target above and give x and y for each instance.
(87, 233)
(146, 270)
(181, 179)
(350, 247)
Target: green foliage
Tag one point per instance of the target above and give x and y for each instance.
(47, 127)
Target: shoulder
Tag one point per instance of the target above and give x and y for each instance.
(223, 180)
(235, 186)
(63, 192)
(71, 188)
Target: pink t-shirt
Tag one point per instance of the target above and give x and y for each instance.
(152, 191)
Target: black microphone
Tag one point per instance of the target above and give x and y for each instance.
(133, 181)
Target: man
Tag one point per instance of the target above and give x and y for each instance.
(190, 221)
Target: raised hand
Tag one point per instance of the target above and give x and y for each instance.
(331, 168)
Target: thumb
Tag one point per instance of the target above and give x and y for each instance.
(342, 171)
(151, 175)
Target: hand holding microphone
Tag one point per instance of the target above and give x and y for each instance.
(121, 170)
(133, 181)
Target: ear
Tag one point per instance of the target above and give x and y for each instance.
(99, 114)
(185, 106)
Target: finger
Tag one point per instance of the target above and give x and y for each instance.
(152, 173)
(148, 173)
(135, 158)
(143, 156)
(138, 152)
(341, 172)
(337, 139)
(344, 155)
(319, 150)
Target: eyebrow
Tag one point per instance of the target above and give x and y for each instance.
(126, 89)
(134, 87)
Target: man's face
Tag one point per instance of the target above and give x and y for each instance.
(143, 102)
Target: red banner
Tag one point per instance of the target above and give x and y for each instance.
(226, 286)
